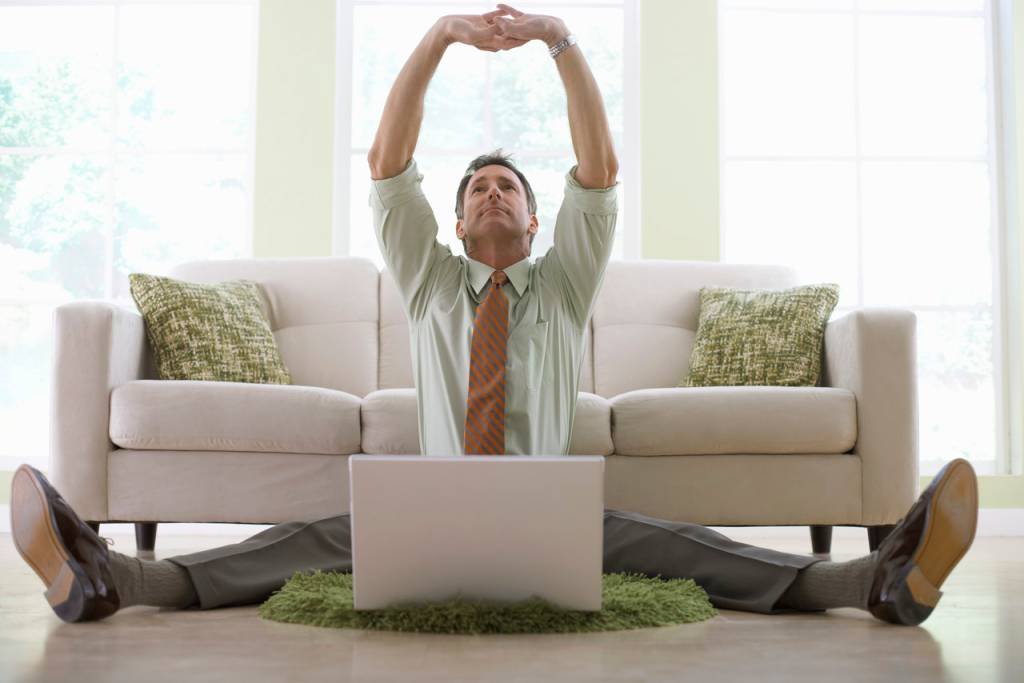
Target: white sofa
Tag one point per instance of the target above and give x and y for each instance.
(127, 447)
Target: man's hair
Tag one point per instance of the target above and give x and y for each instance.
(495, 158)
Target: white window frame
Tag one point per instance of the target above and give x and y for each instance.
(1010, 411)
(629, 156)
(1005, 230)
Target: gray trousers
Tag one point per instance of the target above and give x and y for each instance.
(734, 575)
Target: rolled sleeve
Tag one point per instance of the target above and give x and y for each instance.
(583, 241)
(397, 190)
(596, 202)
(406, 232)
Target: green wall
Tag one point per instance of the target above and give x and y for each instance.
(679, 129)
(294, 129)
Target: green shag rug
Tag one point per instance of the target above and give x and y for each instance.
(628, 601)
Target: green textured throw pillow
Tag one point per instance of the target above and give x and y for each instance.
(211, 332)
(766, 337)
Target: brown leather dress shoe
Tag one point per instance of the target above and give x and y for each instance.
(71, 559)
(922, 550)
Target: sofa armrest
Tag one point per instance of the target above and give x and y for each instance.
(873, 353)
(97, 346)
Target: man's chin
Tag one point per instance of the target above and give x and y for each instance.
(495, 224)
(497, 234)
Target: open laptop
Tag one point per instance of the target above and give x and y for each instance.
(496, 527)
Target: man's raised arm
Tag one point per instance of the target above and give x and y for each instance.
(591, 135)
(399, 127)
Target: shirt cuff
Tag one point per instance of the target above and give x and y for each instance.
(601, 201)
(390, 192)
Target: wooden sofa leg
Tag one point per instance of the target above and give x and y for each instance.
(821, 539)
(145, 535)
(877, 534)
(95, 526)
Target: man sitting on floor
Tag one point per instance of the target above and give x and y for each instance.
(509, 389)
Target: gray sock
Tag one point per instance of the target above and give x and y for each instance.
(825, 585)
(151, 582)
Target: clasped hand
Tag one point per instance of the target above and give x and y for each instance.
(502, 29)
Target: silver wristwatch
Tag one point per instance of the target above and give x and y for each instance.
(561, 45)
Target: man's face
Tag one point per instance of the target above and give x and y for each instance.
(495, 209)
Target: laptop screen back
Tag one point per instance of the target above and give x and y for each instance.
(500, 528)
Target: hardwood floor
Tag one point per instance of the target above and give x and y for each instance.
(976, 634)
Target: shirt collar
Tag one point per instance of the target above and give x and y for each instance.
(518, 274)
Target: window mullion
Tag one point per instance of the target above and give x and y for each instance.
(1003, 231)
(488, 108)
(858, 161)
(112, 168)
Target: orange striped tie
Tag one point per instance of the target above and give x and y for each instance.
(485, 409)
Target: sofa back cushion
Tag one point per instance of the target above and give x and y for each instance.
(645, 317)
(396, 355)
(323, 313)
(331, 333)
(395, 350)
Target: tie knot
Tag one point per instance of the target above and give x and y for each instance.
(499, 278)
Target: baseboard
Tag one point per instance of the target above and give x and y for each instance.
(1001, 522)
(991, 522)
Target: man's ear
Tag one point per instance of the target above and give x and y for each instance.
(458, 229)
(534, 226)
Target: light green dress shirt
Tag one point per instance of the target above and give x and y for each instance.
(550, 303)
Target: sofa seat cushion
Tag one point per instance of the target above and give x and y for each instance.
(735, 419)
(592, 426)
(390, 425)
(389, 422)
(233, 416)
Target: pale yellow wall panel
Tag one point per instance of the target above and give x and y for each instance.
(679, 129)
(294, 129)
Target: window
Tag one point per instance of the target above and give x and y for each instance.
(478, 101)
(121, 150)
(859, 145)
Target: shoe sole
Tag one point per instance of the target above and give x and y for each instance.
(946, 539)
(68, 588)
